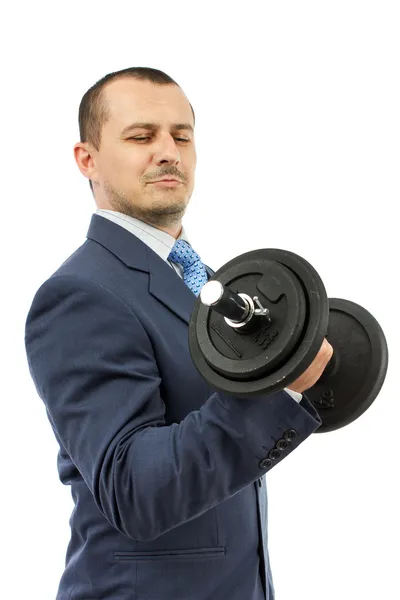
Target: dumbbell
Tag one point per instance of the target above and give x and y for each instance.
(260, 321)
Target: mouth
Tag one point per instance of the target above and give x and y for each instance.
(166, 183)
(165, 179)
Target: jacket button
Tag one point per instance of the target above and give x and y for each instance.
(290, 435)
(282, 444)
(274, 454)
(265, 463)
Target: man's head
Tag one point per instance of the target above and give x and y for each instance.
(122, 161)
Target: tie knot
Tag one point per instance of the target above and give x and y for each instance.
(183, 254)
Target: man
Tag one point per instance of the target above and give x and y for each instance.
(167, 475)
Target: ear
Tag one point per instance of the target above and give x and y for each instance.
(84, 158)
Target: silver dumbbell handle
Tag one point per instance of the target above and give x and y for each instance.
(237, 309)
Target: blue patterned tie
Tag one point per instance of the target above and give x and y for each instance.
(194, 272)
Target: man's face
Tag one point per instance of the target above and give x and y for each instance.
(132, 156)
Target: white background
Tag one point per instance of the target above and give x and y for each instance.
(298, 137)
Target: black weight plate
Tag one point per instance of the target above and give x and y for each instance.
(312, 330)
(249, 356)
(355, 376)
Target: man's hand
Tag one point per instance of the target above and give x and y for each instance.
(314, 371)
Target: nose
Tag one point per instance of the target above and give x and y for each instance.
(167, 151)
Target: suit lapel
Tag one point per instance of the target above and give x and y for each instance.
(164, 283)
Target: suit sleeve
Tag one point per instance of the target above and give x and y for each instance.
(94, 368)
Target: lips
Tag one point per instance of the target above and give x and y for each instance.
(166, 184)
(158, 180)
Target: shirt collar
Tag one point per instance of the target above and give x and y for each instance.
(159, 241)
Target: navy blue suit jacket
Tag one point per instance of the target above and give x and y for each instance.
(166, 473)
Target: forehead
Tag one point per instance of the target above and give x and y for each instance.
(131, 100)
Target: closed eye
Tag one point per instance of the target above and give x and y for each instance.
(148, 138)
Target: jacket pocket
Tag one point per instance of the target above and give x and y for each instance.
(191, 553)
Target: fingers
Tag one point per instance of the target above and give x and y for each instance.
(326, 351)
(315, 370)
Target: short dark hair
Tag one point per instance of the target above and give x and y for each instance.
(93, 112)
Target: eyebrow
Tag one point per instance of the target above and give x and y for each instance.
(154, 127)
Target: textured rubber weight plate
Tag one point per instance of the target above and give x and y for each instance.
(276, 354)
(356, 373)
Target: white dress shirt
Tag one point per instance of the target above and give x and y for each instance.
(160, 242)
